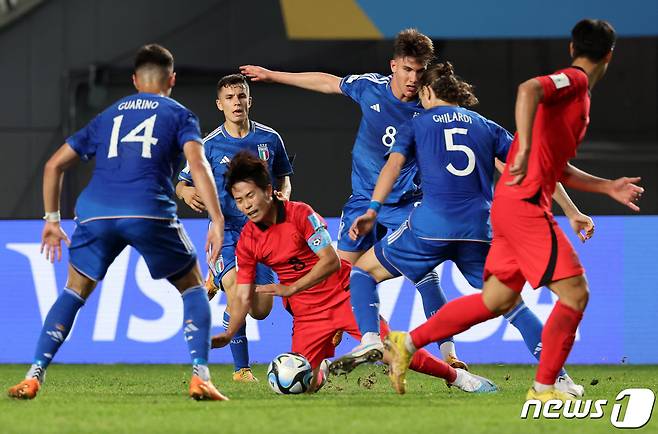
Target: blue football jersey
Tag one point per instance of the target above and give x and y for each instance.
(220, 147)
(137, 143)
(382, 116)
(455, 149)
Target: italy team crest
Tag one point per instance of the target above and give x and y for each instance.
(263, 152)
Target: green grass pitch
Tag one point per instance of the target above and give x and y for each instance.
(152, 399)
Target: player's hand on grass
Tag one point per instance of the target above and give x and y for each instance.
(256, 73)
(51, 241)
(624, 191)
(363, 224)
(220, 340)
(276, 289)
(582, 225)
(192, 199)
(519, 168)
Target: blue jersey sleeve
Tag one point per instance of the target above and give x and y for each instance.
(189, 129)
(503, 140)
(405, 141)
(281, 165)
(185, 174)
(354, 85)
(82, 141)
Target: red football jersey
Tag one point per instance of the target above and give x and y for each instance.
(559, 127)
(284, 248)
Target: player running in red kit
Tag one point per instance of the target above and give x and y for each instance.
(293, 240)
(552, 113)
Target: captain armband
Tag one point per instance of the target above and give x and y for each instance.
(319, 240)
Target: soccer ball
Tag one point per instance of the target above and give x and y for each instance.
(289, 374)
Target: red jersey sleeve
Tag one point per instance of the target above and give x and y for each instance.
(307, 220)
(562, 85)
(245, 259)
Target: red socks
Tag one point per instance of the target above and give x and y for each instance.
(557, 340)
(453, 318)
(425, 363)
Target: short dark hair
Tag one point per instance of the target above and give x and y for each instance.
(232, 80)
(245, 167)
(592, 39)
(154, 55)
(447, 85)
(412, 43)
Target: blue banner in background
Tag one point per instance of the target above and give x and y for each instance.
(133, 319)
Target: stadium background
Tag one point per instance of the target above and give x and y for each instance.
(63, 61)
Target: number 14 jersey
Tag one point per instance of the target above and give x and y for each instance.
(137, 143)
(455, 150)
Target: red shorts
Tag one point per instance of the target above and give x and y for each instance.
(528, 245)
(312, 334)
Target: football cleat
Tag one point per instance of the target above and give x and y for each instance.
(324, 372)
(26, 389)
(244, 375)
(210, 286)
(453, 361)
(548, 395)
(338, 337)
(204, 390)
(361, 354)
(400, 360)
(565, 384)
(472, 383)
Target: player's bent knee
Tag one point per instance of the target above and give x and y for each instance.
(190, 279)
(573, 292)
(261, 306)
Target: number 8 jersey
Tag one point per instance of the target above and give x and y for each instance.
(382, 116)
(137, 143)
(455, 150)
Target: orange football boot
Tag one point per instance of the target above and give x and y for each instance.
(26, 389)
(204, 390)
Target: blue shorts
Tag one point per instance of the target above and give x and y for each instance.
(403, 253)
(226, 262)
(390, 217)
(163, 244)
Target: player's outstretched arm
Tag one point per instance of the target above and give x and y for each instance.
(315, 81)
(387, 177)
(623, 190)
(53, 175)
(188, 194)
(240, 305)
(582, 224)
(528, 97)
(206, 189)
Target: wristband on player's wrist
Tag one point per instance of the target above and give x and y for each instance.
(375, 206)
(52, 217)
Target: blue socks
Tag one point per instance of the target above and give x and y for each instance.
(239, 345)
(433, 297)
(530, 327)
(365, 301)
(196, 323)
(55, 329)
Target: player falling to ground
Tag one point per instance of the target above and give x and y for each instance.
(386, 103)
(455, 149)
(137, 143)
(292, 239)
(552, 113)
(237, 133)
